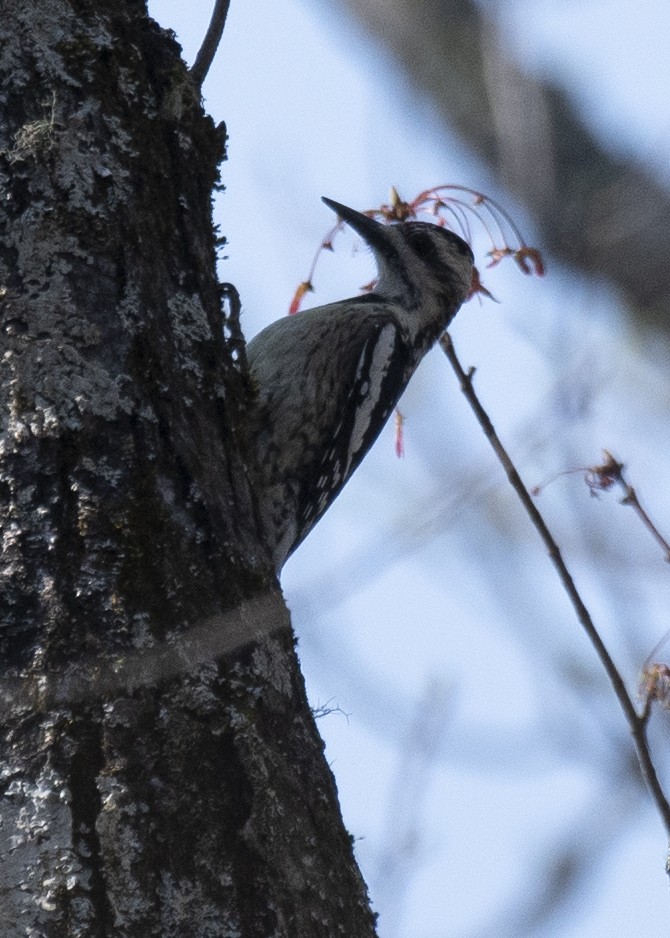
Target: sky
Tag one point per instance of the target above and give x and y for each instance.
(463, 748)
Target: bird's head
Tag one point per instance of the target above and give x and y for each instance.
(414, 258)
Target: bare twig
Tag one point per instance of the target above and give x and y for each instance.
(636, 722)
(252, 621)
(612, 471)
(325, 710)
(210, 43)
(630, 498)
(601, 478)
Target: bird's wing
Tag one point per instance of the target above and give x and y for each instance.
(316, 426)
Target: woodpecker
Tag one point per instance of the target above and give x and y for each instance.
(328, 378)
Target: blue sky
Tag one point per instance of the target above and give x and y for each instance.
(423, 594)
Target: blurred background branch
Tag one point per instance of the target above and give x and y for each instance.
(595, 212)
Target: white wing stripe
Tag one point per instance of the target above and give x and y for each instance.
(381, 358)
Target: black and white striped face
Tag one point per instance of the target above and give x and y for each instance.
(414, 257)
(435, 255)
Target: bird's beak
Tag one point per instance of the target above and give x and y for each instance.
(369, 229)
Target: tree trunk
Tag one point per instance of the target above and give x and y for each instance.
(161, 772)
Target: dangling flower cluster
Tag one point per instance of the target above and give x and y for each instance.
(454, 207)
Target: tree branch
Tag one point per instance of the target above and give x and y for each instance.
(210, 43)
(636, 722)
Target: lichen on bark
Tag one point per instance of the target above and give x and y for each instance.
(161, 774)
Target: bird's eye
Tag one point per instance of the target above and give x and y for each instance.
(424, 246)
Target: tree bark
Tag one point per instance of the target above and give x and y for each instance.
(161, 772)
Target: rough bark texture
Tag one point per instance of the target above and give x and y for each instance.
(598, 213)
(161, 773)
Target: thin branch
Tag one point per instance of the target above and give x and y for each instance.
(630, 498)
(210, 43)
(250, 622)
(637, 723)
